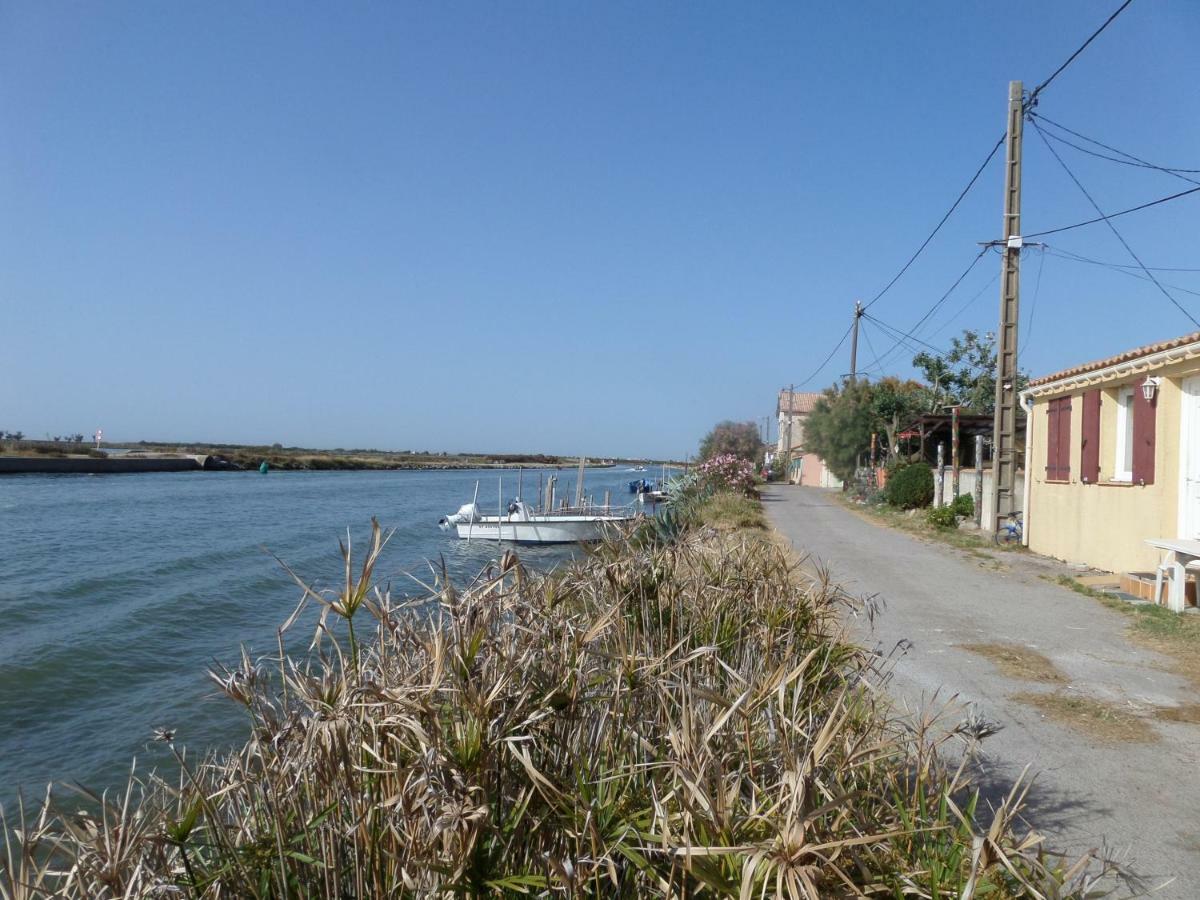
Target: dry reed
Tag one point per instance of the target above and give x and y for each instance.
(669, 717)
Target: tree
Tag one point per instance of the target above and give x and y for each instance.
(840, 426)
(966, 376)
(739, 438)
(895, 402)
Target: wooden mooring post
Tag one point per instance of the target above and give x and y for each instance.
(940, 484)
(954, 454)
(979, 479)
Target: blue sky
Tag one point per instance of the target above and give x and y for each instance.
(558, 227)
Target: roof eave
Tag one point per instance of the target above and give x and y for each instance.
(1115, 370)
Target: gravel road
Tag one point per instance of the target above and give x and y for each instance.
(1137, 799)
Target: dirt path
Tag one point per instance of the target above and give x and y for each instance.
(1073, 696)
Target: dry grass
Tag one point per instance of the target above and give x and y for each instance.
(674, 716)
(1176, 635)
(1188, 713)
(1094, 718)
(1019, 662)
(972, 541)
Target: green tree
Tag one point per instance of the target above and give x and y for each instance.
(965, 376)
(840, 426)
(895, 403)
(739, 438)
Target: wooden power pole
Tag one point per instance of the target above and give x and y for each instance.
(788, 456)
(1004, 448)
(858, 311)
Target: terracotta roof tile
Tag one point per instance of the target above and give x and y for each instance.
(1127, 356)
(801, 402)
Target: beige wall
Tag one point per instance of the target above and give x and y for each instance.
(1105, 525)
(797, 431)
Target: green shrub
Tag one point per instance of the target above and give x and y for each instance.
(964, 505)
(910, 487)
(942, 517)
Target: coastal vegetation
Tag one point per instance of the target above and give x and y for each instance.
(740, 439)
(677, 714)
(847, 415)
(291, 458)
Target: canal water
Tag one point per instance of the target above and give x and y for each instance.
(117, 591)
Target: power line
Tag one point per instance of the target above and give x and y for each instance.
(999, 143)
(1108, 221)
(941, 222)
(1068, 254)
(911, 333)
(1070, 59)
(1030, 103)
(1119, 269)
(825, 362)
(1028, 334)
(970, 300)
(871, 347)
(908, 338)
(1104, 218)
(1129, 158)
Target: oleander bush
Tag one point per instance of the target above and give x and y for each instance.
(727, 473)
(665, 718)
(910, 486)
(964, 505)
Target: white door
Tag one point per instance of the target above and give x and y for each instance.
(1189, 461)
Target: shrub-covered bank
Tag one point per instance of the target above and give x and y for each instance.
(675, 715)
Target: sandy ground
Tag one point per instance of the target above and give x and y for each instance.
(1133, 792)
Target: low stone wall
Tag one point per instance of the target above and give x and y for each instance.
(58, 465)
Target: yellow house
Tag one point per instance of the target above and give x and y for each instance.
(1114, 456)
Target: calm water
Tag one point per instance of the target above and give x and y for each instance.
(117, 591)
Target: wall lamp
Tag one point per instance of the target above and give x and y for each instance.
(1149, 386)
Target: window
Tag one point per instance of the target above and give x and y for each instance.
(1058, 439)
(1123, 461)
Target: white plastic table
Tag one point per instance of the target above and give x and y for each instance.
(1182, 554)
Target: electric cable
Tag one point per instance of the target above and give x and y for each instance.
(1027, 334)
(1059, 251)
(1033, 97)
(911, 333)
(1120, 270)
(941, 222)
(1129, 160)
(1105, 218)
(1108, 222)
(825, 362)
(867, 338)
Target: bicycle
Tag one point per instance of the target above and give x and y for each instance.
(1011, 532)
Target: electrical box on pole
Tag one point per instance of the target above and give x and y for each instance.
(1004, 450)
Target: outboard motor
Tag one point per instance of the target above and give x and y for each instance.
(466, 513)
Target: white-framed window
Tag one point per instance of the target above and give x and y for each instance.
(1123, 462)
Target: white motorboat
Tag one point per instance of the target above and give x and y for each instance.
(523, 525)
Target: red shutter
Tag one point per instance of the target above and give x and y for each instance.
(1064, 439)
(1145, 414)
(1089, 447)
(1052, 441)
(1058, 439)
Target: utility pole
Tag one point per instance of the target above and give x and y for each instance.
(1004, 460)
(858, 311)
(788, 456)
